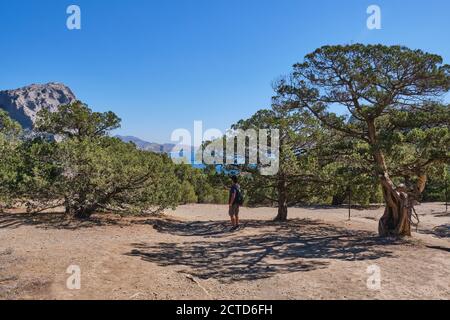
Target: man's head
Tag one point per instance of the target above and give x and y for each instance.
(234, 179)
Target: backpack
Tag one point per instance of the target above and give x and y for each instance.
(240, 198)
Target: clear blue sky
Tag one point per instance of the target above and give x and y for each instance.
(160, 65)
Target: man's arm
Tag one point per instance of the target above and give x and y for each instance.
(233, 197)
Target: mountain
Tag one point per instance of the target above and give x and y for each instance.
(24, 103)
(148, 146)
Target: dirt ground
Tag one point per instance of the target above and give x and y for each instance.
(191, 254)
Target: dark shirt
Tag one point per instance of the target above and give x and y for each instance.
(235, 188)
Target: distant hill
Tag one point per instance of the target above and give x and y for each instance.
(24, 103)
(148, 146)
(168, 148)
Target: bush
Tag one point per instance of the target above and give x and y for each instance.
(188, 193)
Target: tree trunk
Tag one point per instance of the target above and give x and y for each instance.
(338, 199)
(67, 206)
(282, 200)
(83, 214)
(78, 210)
(396, 220)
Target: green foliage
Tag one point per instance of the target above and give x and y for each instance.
(392, 97)
(76, 121)
(8, 127)
(88, 171)
(438, 185)
(396, 126)
(298, 180)
(188, 193)
(9, 158)
(96, 174)
(105, 173)
(39, 174)
(207, 184)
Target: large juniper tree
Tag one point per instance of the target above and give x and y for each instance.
(87, 171)
(298, 178)
(393, 95)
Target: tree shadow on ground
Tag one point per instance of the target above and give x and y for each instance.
(442, 231)
(442, 214)
(296, 246)
(439, 248)
(54, 220)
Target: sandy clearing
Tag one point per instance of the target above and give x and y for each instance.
(191, 254)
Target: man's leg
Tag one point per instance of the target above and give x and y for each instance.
(236, 215)
(232, 216)
(233, 220)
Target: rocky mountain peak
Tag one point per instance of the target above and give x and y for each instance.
(24, 103)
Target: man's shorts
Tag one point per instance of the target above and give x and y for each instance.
(234, 210)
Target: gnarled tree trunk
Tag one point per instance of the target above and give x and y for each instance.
(282, 200)
(396, 220)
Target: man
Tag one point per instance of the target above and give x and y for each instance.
(234, 203)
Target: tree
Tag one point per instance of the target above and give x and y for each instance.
(207, 184)
(298, 177)
(8, 127)
(108, 174)
(348, 171)
(393, 97)
(438, 186)
(88, 171)
(76, 121)
(187, 193)
(10, 160)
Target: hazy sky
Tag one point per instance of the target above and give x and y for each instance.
(160, 65)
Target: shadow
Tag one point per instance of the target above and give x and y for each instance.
(193, 229)
(442, 231)
(296, 246)
(441, 214)
(439, 248)
(52, 221)
(356, 207)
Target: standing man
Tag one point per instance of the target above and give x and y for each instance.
(234, 203)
